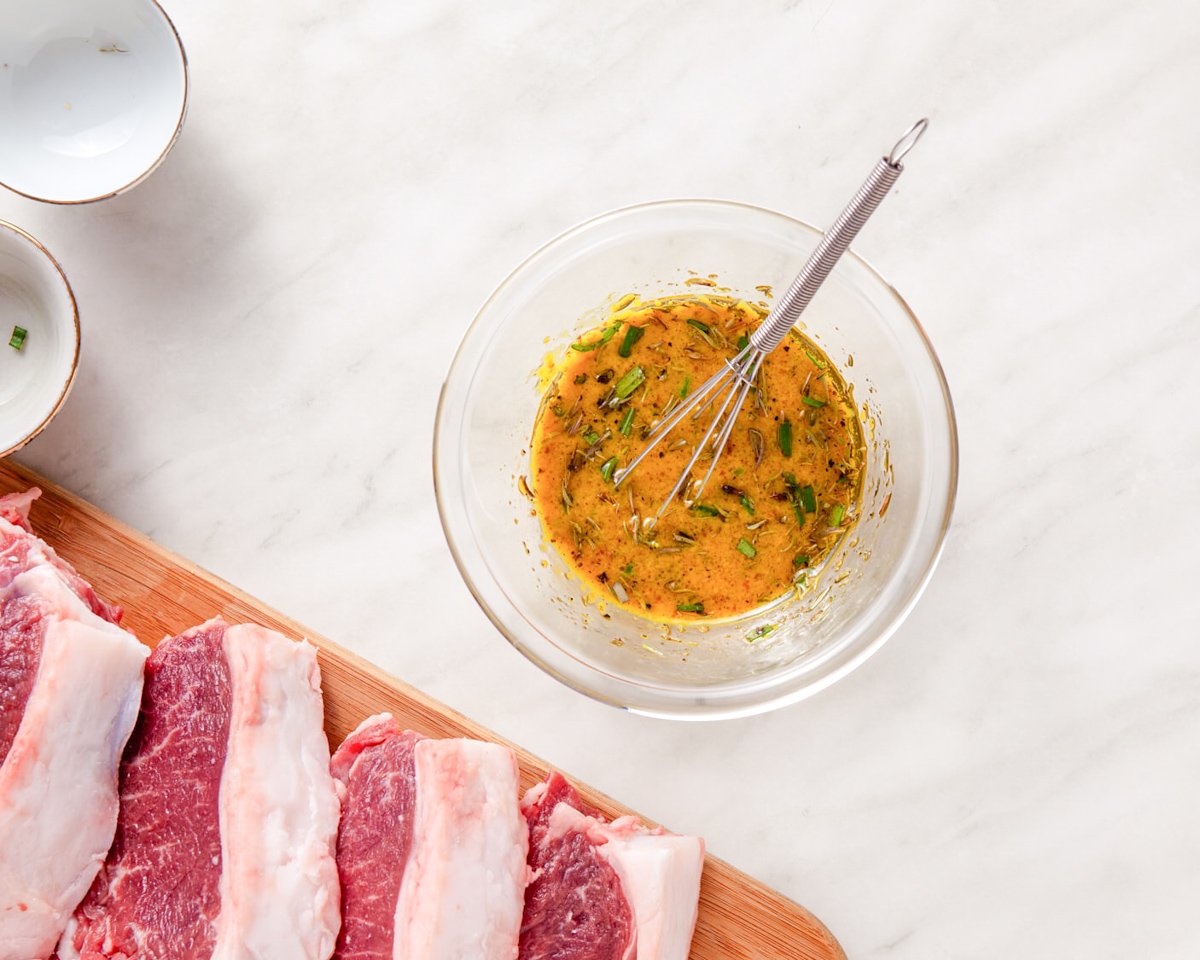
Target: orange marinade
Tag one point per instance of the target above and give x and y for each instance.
(786, 488)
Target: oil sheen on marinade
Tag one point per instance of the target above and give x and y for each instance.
(786, 488)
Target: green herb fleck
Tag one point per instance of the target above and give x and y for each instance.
(580, 378)
(815, 359)
(800, 560)
(690, 607)
(627, 569)
(630, 382)
(704, 328)
(748, 504)
(626, 426)
(686, 388)
(599, 342)
(743, 342)
(590, 436)
(17, 340)
(746, 549)
(705, 510)
(785, 437)
(836, 515)
(808, 498)
(814, 402)
(632, 335)
(607, 468)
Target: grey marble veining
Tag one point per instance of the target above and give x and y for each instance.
(267, 321)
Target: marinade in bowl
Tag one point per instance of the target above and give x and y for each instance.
(785, 490)
(721, 663)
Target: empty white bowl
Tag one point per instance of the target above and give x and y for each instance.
(92, 96)
(34, 296)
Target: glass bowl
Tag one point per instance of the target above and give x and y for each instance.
(698, 670)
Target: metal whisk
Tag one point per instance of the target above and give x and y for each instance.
(737, 379)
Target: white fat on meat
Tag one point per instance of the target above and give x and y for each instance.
(58, 784)
(462, 893)
(278, 806)
(659, 874)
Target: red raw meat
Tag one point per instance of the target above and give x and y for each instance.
(605, 891)
(70, 685)
(158, 894)
(375, 765)
(574, 906)
(228, 811)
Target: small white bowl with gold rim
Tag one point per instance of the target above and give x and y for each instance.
(39, 337)
(92, 96)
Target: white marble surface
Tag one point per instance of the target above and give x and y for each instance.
(268, 319)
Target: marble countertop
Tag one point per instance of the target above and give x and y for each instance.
(267, 321)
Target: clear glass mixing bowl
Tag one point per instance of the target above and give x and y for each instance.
(768, 657)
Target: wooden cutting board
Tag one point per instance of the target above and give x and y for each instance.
(740, 918)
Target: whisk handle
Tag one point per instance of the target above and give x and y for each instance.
(835, 242)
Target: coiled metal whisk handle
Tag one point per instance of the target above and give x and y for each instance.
(835, 242)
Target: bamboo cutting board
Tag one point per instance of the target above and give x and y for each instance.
(740, 918)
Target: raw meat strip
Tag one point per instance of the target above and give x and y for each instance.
(376, 767)
(225, 845)
(431, 849)
(70, 683)
(605, 891)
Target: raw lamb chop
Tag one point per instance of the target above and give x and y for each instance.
(431, 849)
(70, 683)
(605, 891)
(225, 845)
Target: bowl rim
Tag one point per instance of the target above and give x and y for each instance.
(682, 709)
(70, 381)
(183, 108)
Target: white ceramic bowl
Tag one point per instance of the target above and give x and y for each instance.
(35, 296)
(92, 96)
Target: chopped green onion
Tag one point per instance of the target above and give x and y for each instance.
(759, 632)
(785, 437)
(601, 341)
(746, 549)
(626, 426)
(748, 504)
(17, 340)
(808, 498)
(799, 511)
(705, 510)
(607, 468)
(743, 342)
(813, 402)
(630, 382)
(704, 328)
(632, 335)
(590, 436)
(800, 560)
(686, 388)
(836, 514)
(815, 359)
(690, 607)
